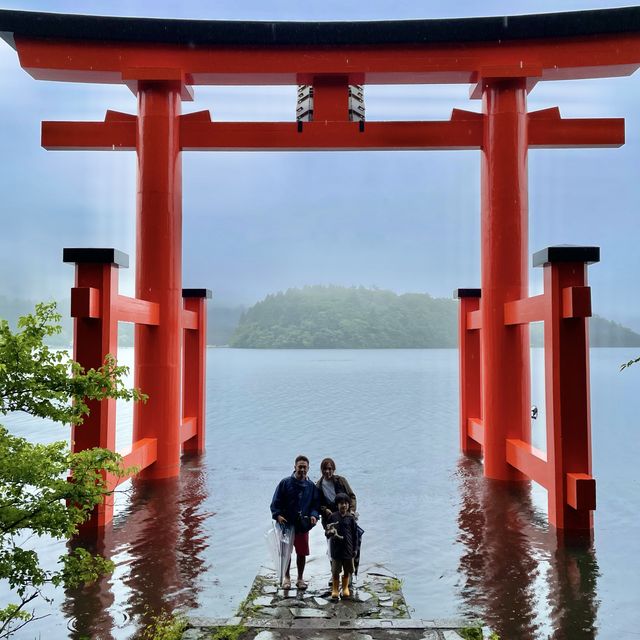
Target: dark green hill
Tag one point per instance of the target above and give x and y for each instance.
(606, 333)
(330, 317)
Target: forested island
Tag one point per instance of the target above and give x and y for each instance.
(330, 317)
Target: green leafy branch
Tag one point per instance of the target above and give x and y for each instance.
(625, 365)
(44, 382)
(36, 497)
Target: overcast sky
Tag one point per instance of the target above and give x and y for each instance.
(256, 223)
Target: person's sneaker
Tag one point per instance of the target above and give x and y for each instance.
(301, 584)
(286, 584)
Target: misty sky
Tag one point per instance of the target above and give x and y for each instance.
(256, 223)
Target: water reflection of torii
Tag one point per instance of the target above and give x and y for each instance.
(161, 539)
(512, 558)
(503, 58)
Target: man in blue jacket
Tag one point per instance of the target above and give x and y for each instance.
(297, 501)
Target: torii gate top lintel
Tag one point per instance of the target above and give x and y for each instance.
(596, 43)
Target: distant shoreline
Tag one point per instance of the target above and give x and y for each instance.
(334, 318)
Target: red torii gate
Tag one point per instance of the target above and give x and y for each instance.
(503, 58)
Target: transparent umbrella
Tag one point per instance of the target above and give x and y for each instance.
(280, 543)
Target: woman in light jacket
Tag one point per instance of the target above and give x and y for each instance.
(331, 484)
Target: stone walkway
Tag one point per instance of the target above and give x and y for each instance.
(376, 610)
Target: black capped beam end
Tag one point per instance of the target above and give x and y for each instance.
(196, 293)
(96, 256)
(566, 253)
(467, 293)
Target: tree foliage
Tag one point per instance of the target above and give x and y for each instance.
(42, 381)
(35, 497)
(322, 317)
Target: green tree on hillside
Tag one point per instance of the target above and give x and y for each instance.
(35, 497)
(322, 317)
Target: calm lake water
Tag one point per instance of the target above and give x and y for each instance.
(463, 545)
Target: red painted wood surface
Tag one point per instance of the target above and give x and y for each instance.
(566, 348)
(95, 334)
(504, 273)
(445, 63)
(159, 273)
(470, 373)
(97, 308)
(463, 133)
(194, 368)
(564, 469)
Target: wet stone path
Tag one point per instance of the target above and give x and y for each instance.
(376, 610)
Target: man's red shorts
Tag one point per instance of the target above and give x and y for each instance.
(301, 543)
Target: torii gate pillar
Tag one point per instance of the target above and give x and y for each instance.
(159, 272)
(504, 273)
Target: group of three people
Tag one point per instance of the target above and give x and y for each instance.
(299, 502)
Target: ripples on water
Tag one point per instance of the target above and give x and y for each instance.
(464, 545)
